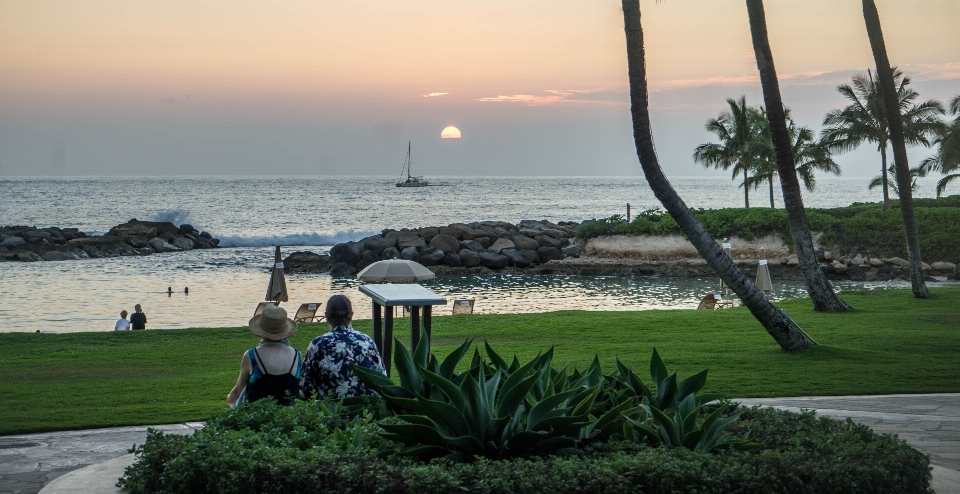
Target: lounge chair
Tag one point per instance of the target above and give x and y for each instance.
(307, 313)
(463, 306)
(260, 307)
(709, 302)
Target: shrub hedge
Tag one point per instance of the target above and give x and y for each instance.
(858, 228)
(318, 447)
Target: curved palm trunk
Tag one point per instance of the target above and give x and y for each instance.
(823, 297)
(883, 175)
(786, 332)
(771, 193)
(895, 125)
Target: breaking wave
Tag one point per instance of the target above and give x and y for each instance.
(295, 239)
(175, 216)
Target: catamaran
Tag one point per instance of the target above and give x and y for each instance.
(411, 181)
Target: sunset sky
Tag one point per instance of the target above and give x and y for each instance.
(101, 87)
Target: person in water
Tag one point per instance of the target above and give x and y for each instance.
(328, 365)
(272, 368)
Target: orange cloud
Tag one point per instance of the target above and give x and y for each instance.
(561, 96)
(433, 95)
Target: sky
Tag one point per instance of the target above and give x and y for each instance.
(537, 88)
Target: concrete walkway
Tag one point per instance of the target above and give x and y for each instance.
(91, 461)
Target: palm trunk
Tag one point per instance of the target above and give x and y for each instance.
(746, 190)
(823, 297)
(786, 332)
(771, 193)
(883, 177)
(895, 124)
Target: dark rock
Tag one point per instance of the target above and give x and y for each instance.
(516, 258)
(184, 243)
(186, 228)
(137, 242)
(143, 251)
(410, 254)
(523, 242)
(367, 258)
(445, 243)
(378, 244)
(549, 254)
(342, 270)
(429, 232)
(206, 235)
(411, 241)
(203, 243)
(306, 262)
(500, 244)
(473, 245)
(137, 229)
(13, 242)
(494, 261)
(37, 234)
(572, 251)
(160, 245)
(856, 273)
(347, 253)
(485, 242)
(469, 258)
(453, 259)
(546, 241)
(530, 256)
(390, 253)
(556, 233)
(56, 255)
(452, 232)
(215, 242)
(29, 257)
(432, 258)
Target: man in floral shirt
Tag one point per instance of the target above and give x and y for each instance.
(327, 371)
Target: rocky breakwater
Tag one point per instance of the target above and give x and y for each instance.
(134, 238)
(486, 244)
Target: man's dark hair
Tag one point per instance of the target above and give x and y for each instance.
(339, 310)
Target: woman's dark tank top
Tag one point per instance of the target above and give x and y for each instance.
(282, 387)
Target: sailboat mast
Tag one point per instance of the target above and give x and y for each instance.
(408, 160)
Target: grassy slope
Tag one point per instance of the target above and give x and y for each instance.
(893, 343)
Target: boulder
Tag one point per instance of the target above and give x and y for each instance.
(367, 258)
(56, 255)
(451, 231)
(898, 262)
(203, 243)
(36, 234)
(432, 258)
(378, 244)
(485, 242)
(556, 233)
(306, 262)
(472, 245)
(404, 243)
(347, 253)
(160, 245)
(572, 251)
(452, 259)
(548, 241)
(445, 243)
(494, 261)
(838, 267)
(501, 244)
(924, 267)
(944, 266)
(429, 232)
(469, 258)
(13, 242)
(206, 235)
(523, 242)
(390, 253)
(549, 254)
(134, 229)
(29, 257)
(342, 270)
(186, 228)
(410, 254)
(474, 234)
(858, 260)
(873, 261)
(137, 242)
(183, 242)
(143, 251)
(530, 256)
(516, 258)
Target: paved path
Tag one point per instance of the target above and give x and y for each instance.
(90, 461)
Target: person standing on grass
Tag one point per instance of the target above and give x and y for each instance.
(327, 366)
(138, 319)
(123, 324)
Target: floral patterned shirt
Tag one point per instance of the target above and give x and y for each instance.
(327, 371)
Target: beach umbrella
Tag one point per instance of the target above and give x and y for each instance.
(395, 271)
(723, 286)
(277, 289)
(763, 274)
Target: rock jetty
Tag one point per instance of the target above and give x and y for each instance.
(489, 244)
(133, 238)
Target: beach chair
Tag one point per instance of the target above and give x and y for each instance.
(260, 307)
(308, 313)
(709, 302)
(463, 306)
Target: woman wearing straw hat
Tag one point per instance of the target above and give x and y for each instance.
(273, 367)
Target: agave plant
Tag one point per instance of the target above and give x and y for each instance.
(682, 428)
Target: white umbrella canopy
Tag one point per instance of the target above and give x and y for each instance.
(395, 271)
(277, 289)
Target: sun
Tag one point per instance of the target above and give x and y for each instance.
(450, 132)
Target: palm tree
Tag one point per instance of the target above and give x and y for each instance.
(898, 139)
(809, 155)
(783, 329)
(915, 173)
(865, 120)
(947, 159)
(741, 142)
(819, 288)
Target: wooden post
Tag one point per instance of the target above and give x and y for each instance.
(414, 327)
(387, 340)
(378, 327)
(628, 213)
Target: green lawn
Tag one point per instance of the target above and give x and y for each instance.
(893, 343)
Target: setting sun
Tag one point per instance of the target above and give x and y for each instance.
(450, 133)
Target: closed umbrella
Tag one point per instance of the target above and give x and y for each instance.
(723, 286)
(395, 271)
(763, 275)
(277, 289)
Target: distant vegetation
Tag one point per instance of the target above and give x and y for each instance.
(859, 228)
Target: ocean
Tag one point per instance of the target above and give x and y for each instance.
(250, 215)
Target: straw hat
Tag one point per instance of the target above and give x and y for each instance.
(273, 324)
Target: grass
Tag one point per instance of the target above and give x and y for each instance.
(893, 343)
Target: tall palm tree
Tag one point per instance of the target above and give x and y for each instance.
(947, 158)
(821, 292)
(809, 155)
(865, 119)
(898, 139)
(783, 329)
(740, 132)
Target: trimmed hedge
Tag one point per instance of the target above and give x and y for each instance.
(859, 228)
(311, 447)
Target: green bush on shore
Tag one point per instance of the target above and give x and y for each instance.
(856, 229)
